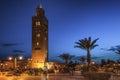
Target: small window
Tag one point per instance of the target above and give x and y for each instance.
(37, 43)
(38, 23)
(38, 35)
(45, 38)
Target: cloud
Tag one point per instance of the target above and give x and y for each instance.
(10, 44)
(104, 49)
(18, 51)
(112, 49)
(115, 49)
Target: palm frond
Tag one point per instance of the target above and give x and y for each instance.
(86, 43)
(92, 47)
(93, 42)
(80, 44)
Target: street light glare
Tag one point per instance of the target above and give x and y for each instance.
(10, 58)
(20, 57)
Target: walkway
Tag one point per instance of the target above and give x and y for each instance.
(53, 76)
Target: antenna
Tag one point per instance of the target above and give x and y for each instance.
(40, 3)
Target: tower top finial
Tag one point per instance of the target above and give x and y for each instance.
(40, 3)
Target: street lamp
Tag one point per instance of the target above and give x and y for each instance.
(15, 60)
(20, 57)
(10, 58)
(29, 62)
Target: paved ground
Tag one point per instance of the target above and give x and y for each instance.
(76, 76)
(42, 78)
(39, 78)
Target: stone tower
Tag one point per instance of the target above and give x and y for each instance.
(39, 38)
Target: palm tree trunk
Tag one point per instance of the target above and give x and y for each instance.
(88, 58)
(66, 61)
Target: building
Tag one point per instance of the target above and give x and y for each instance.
(39, 38)
(39, 45)
(10, 64)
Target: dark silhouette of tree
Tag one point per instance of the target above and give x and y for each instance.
(70, 57)
(82, 59)
(87, 44)
(103, 62)
(110, 61)
(66, 57)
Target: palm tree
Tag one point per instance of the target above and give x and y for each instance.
(70, 57)
(82, 59)
(66, 57)
(87, 44)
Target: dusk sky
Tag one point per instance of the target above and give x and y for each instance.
(69, 21)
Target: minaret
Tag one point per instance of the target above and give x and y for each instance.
(40, 3)
(39, 38)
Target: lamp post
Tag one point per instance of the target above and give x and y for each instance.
(29, 63)
(15, 60)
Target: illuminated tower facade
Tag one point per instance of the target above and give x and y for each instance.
(39, 38)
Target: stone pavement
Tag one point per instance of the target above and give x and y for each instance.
(52, 76)
(67, 76)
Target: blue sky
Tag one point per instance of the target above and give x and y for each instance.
(69, 21)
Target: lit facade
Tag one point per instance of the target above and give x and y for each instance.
(9, 64)
(39, 38)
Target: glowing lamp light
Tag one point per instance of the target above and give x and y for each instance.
(93, 62)
(20, 57)
(10, 58)
(40, 65)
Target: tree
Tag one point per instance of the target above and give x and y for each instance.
(66, 57)
(82, 59)
(87, 44)
(103, 62)
(70, 57)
